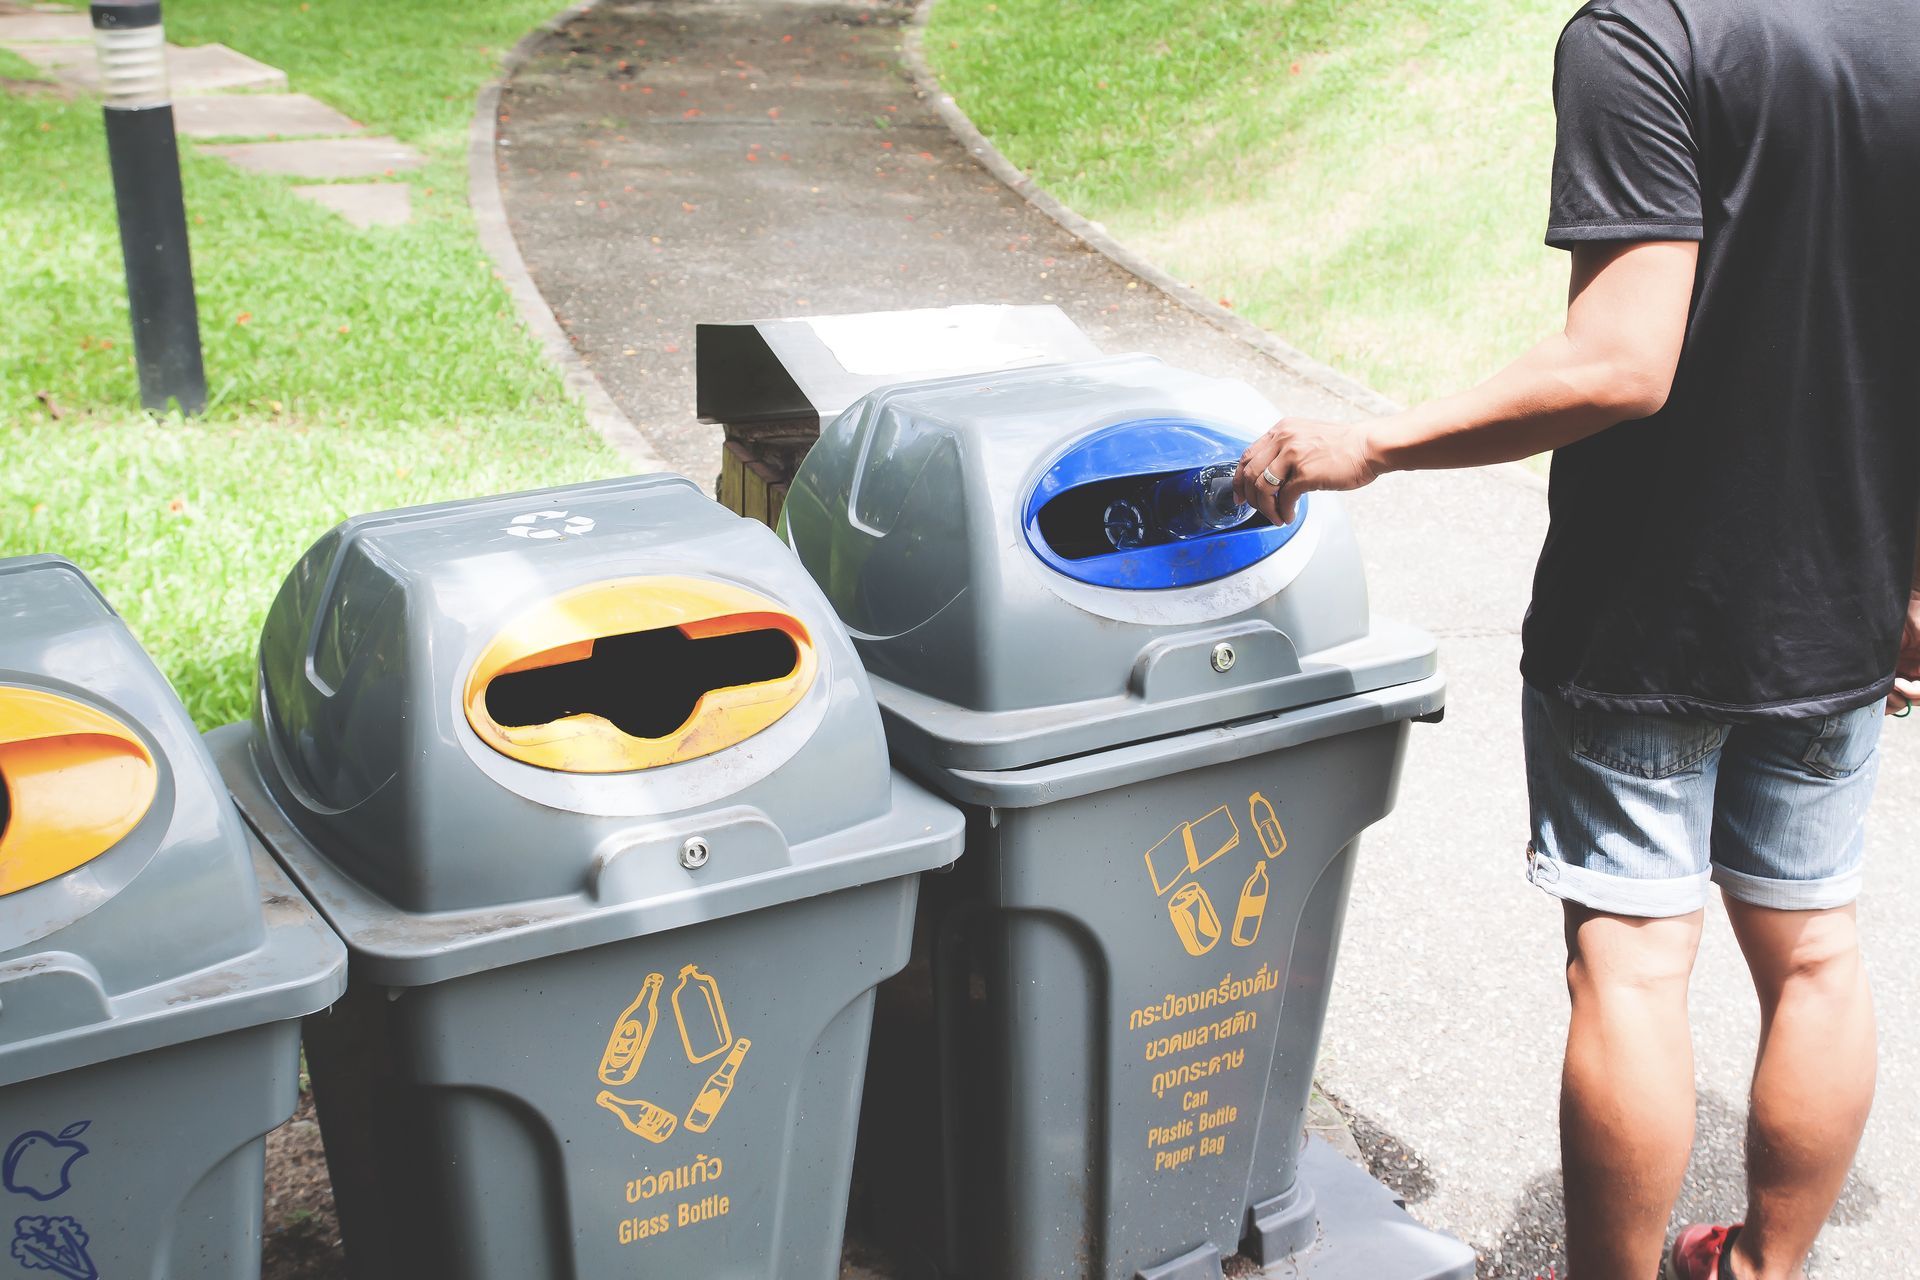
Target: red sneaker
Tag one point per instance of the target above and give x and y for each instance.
(1697, 1253)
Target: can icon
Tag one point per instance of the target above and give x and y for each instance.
(1194, 919)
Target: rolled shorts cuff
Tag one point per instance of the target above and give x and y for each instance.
(1618, 895)
(1790, 895)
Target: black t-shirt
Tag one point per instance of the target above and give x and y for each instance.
(1746, 552)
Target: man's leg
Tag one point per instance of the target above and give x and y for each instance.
(1788, 844)
(1626, 1098)
(1812, 1084)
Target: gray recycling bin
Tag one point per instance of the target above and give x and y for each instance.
(1167, 748)
(594, 787)
(154, 963)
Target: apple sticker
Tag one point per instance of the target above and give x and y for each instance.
(37, 1164)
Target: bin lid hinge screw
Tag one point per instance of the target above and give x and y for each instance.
(694, 852)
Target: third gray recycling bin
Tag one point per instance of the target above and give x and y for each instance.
(594, 788)
(154, 963)
(1168, 748)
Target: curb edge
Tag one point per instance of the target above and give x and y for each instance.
(1096, 238)
(497, 239)
(1289, 357)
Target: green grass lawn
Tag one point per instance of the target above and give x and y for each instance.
(1367, 178)
(350, 370)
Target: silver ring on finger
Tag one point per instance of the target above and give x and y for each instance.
(1272, 480)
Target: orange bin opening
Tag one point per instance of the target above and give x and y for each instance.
(638, 673)
(73, 782)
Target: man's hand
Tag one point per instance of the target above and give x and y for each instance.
(1304, 456)
(1906, 668)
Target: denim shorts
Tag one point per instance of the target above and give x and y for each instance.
(1633, 815)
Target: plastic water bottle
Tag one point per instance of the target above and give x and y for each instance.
(1195, 503)
(1124, 524)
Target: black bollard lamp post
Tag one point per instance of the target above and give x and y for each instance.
(145, 158)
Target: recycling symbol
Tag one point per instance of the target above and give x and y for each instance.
(547, 525)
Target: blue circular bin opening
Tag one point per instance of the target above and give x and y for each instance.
(1116, 470)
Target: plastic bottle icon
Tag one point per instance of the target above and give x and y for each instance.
(719, 1086)
(1266, 826)
(1253, 907)
(1194, 919)
(632, 1034)
(702, 1015)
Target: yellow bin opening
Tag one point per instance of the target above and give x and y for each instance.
(637, 673)
(73, 782)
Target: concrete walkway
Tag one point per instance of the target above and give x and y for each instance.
(666, 163)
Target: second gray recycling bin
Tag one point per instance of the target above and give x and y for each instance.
(1167, 747)
(593, 786)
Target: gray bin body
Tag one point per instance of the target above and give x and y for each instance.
(485, 1114)
(151, 996)
(1128, 974)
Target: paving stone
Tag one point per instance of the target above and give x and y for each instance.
(364, 204)
(45, 28)
(259, 115)
(210, 68)
(204, 68)
(321, 157)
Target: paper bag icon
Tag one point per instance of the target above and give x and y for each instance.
(1191, 846)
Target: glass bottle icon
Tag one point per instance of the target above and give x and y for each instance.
(643, 1119)
(632, 1033)
(702, 1015)
(719, 1086)
(1253, 907)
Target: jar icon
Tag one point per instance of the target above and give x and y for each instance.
(702, 1015)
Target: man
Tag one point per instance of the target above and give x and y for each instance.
(1727, 590)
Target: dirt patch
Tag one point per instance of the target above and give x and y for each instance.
(35, 88)
(302, 1235)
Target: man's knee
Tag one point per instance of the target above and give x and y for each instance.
(1816, 952)
(1609, 955)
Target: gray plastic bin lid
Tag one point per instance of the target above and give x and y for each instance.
(135, 910)
(956, 524)
(488, 731)
(810, 368)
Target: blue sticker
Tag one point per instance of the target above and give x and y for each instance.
(58, 1245)
(37, 1163)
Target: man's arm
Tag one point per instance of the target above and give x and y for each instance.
(1626, 319)
(1906, 668)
